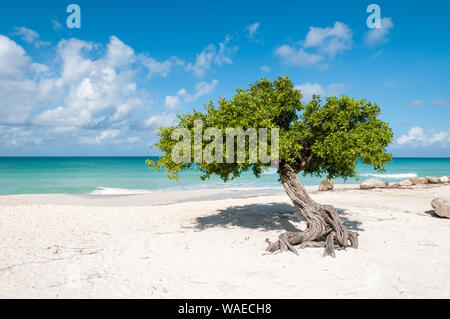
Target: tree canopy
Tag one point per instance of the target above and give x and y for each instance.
(320, 137)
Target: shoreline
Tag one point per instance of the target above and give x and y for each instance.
(171, 197)
(158, 198)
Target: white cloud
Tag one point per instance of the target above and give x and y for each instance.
(172, 102)
(377, 36)
(21, 91)
(225, 52)
(13, 59)
(153, 122)
(201, 88)
(265, 68)
(15, 136)
(56, 25)
(309, 89)
(39, 68)
(104, 136)
(155, 67)
(330, 40)
(98, 93)
(296, 57)
(29, 36)
(91, 97)
(118, 54)
(441, 102)
(319, 44)
(87, 95)
(416, 103)
(416, 136)
(210, 55)
(252, 29)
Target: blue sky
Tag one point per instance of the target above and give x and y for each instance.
(103, 89)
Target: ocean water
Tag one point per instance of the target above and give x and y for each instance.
(130, 175)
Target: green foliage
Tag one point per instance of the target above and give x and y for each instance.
(316, 138)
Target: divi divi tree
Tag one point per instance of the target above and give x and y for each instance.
(321, 138)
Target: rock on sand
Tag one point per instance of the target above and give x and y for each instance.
(443, 179)
(441, 207)
(418, 181)
(432, 180)
(326, 185)
(372, 183)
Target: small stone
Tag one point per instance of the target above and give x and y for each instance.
(441, 207)
(326, 185)
(372, 183)
(432, 180)
(443, 179)
(418, 181)
(405, 182)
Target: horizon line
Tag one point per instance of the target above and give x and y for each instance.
(100, 156)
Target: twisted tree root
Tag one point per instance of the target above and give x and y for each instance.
(338, 237)
(323, 221)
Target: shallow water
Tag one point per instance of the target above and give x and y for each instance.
(130, 175)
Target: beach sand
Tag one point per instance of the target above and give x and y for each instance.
(193, 246)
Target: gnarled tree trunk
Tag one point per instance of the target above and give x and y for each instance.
(325, 228)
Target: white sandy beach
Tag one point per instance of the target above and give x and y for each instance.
(68, 246)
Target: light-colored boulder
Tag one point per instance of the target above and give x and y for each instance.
(418, 181)
(372, 183)
(406, 182)
(441, 207)
(443, 179)
(432, 180)
(326, 185)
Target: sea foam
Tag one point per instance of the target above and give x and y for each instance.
(395, 176)
(119, 191)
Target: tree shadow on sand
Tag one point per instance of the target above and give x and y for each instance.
(271, 216)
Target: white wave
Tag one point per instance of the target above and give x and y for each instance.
(269, 171)
(396, 176)
(119, 191)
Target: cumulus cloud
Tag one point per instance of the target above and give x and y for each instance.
(201, 88)
(98, 93)
(309, 89)
(92, 94)
(319, 44)
(265, 68)
(21, 91)
(13, 59)
(210, 55)
(377, 36)
(330, 40)
(416, 136)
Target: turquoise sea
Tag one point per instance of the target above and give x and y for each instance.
(129, 175)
